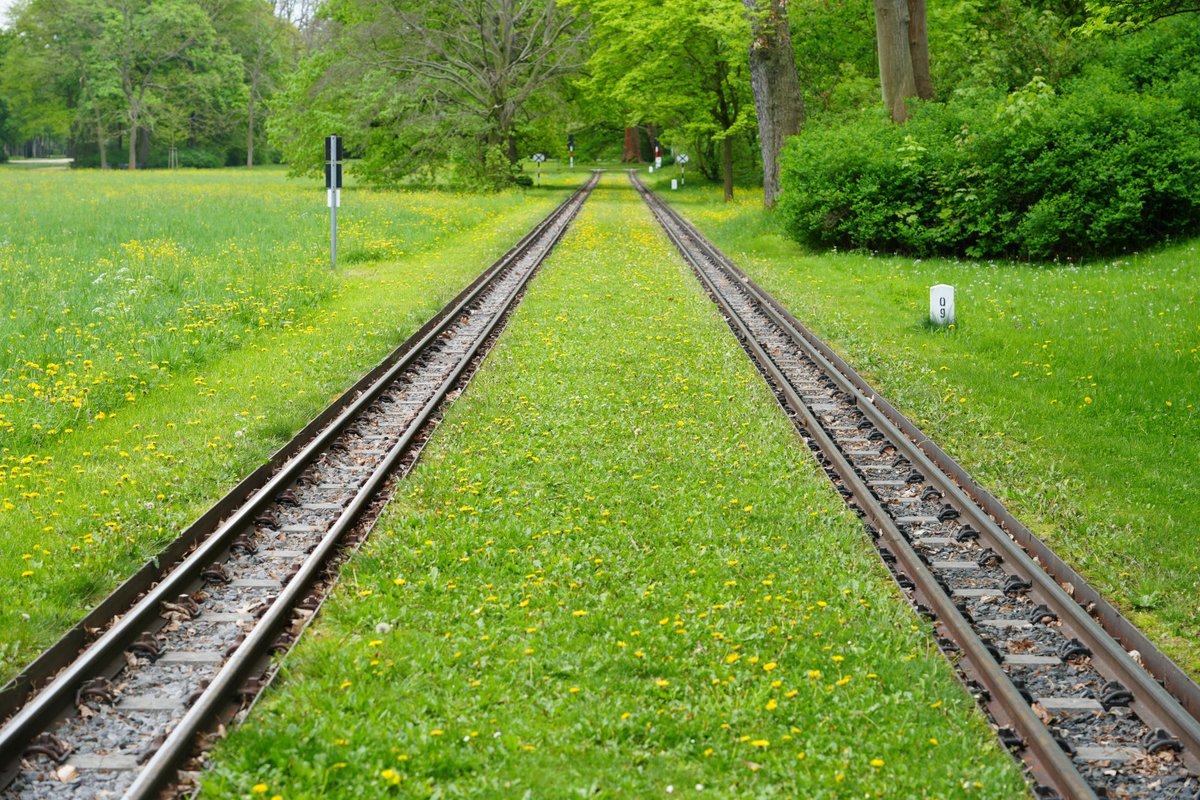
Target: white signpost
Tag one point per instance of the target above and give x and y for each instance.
(674, 184)
(333, 190)
(941, 304)
(681, 159)
(538, 158)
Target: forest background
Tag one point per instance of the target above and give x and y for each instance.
(1029, 128)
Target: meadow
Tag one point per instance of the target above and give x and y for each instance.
(162, 333)
(616, 572)
(1070, 390)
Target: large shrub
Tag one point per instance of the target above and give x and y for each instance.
(1108, 163)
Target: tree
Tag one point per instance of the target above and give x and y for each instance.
(69, 36)
(903, 48)
(261, 34)
(776, 86)
(679, 63)
(162, 48)
(422, 82)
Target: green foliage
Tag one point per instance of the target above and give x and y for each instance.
(1125, 16)
(834, 42)
(417, 87)
(677, 64)
(175, 71)
(1109, 164)
(981, 46)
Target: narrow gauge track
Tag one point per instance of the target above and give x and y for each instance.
(1065, 696)
(188, 647)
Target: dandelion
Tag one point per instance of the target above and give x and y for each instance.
(760, 743)
(259, 788)
(876, 762)
(661, 682)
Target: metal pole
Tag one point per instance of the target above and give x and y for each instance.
(333, 229)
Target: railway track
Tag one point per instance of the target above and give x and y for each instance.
(1090, 707)
(119, 706)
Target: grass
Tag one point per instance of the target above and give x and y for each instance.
(163, 333)
(617, 572)
(1069, 390)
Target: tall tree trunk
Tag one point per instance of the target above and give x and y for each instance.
(776, 86)
(100, 136)
(100, 140)
(727, 166)
(631, 153)
(133, 135)
(895, 61)
(250, 130)
(918, 46)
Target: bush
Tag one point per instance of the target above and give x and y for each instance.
(1096, 169)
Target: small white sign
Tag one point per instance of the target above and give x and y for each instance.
(681, 158)
(658, 161)
(334, 199)
(674, 183)
(539, 157)
(652, 169)
(941, 304)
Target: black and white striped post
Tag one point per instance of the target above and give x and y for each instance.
(333, 190)
(538, 158)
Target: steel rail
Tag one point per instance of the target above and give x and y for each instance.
(1153, 703)
(43, 708)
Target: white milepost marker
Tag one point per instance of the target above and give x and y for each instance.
(538, 158)
(674, 184)
(941, 304)
(652, 168)
(333, 190)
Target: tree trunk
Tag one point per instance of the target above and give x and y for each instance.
(100, 140)
(133, 134)
(631, 153)
(895, 60)
(776, 86)
(250, 131)
(727, 166)
(918, 45)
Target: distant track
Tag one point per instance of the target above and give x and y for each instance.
(1041, 651)
(117, 708)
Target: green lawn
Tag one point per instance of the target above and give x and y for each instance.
(163, 332)
(616, 572)
(1069, 390)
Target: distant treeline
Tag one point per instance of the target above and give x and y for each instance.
(988, 127)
